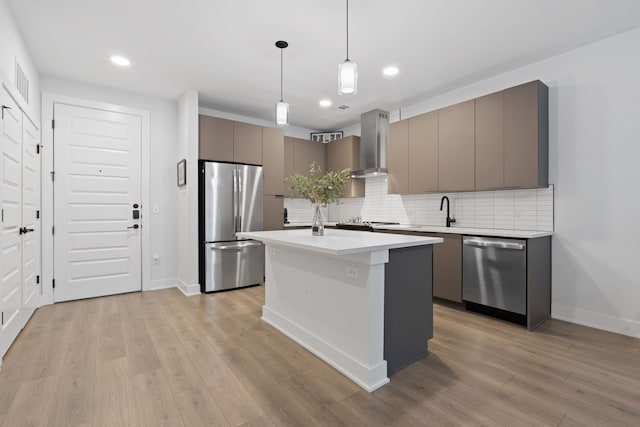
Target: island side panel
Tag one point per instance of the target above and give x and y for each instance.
(408, 307)
(335, 312)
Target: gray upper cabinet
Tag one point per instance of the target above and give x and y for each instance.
(423, 153)
(288, 163)
(318, 154)
(526, 136)
(215, 139)
(301, 156)
(456, 147)
(342, 154)
(489, 142)
(273, 161)
(398, 158)
(247, 143)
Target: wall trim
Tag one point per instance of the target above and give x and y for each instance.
(48, 101)
(188, 290)
(593, 319)
(157, 284)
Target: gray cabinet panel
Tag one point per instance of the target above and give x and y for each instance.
(456, 147)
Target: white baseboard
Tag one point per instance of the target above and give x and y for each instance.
(597, 320)
(156, 284)
(188, 290)
(369, 378)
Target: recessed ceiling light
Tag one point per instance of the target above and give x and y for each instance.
(120, 60)
(390, 71)
(325, 103)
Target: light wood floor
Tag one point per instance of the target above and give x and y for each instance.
(158, 358)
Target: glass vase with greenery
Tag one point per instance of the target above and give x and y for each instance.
(320, 188)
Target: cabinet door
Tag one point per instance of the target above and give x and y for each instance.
(456, 147)
(489, 142)
(524, 165)
(318, 154)
(342, 154)
(247, 143)
(288, 163)
(215, 139)
(447, 267)
(423, 153)
(398, 158)
(273, 212)
(301, 156)
(273, 161)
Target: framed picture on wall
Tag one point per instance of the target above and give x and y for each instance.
(182, 173)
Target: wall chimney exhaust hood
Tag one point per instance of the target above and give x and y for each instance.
(374, 139)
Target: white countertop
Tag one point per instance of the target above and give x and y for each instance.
(519, 234)
(339, 242)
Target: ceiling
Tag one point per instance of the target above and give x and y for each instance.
(225, 49)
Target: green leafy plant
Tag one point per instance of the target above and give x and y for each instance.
(319, 187)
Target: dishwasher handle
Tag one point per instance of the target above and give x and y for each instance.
(500, 245)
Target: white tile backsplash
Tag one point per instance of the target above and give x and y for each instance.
(503, 209)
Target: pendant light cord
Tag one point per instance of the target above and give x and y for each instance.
(281, 72)
(347, 30)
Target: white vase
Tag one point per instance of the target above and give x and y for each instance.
(317, 225)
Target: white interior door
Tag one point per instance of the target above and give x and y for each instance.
(96, 188)
(30, 219)
(10, 237)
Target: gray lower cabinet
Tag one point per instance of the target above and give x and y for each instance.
(408, 308)
(272, 212)
(447, 267)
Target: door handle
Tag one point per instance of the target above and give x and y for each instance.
(134, 226)
(25, 230)
(5, 107)
(500, 245)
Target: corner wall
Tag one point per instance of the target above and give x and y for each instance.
(187, 223)
(12, 47)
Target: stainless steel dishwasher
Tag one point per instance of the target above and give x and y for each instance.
(494, 276)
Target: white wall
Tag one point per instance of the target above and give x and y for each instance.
(12, 46)
(594, 152)
(163, 141)
(187, 248)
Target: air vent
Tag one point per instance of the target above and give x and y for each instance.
(22, 82)
(343, 107)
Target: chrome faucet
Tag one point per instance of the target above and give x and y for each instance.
(449, 219)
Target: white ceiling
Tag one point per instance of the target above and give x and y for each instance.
(225, 49)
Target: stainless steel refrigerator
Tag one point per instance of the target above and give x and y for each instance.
(230, 201)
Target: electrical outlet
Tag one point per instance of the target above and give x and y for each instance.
(352, 272)
(156, 209)
(156, 259)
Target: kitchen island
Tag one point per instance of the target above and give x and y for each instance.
(359, 301)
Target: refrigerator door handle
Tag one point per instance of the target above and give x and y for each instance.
(240, 201)
(235, 199)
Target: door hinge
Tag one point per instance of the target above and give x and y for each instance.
(37, 280)
(53, 229)
(53, 175)
(38, 214)
(53, 283)
(53, 124)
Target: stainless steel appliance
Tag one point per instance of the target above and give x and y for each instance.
(230, 202)
(494, 274)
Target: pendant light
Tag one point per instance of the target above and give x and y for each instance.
(282, 108)
(348, 70)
